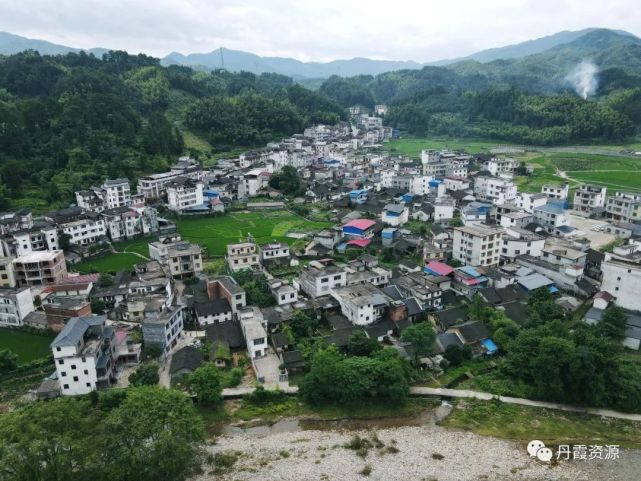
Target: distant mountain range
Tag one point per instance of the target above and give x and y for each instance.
(607, 48)
(10, 44)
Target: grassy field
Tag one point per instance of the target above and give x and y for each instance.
(27, 346)
(525, 423)
(216, 232)
(108, 263)
(616, 173)
(125, 259)
(412, 147)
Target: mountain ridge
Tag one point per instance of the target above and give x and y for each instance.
(578, 42)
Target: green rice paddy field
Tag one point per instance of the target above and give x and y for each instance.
(216, 232)
(28, 347)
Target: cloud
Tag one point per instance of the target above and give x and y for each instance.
(404, 29)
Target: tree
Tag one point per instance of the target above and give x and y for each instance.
(421, 337)
(98, 306)
(153, 434)
(303, 325)
(144, 433)
(613, 323)
(64, 241)
(455, 355)
(287, 181)
(145, 375)
(105, 280)
(361, 345)
(8, 361)
(206, 383)
(338, 379)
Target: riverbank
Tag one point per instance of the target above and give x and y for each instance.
(425, 453)
(436, 443)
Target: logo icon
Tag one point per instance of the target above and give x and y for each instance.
(537, 449)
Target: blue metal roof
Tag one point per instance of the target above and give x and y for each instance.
(489, 345)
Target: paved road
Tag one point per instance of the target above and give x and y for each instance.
(484, 396)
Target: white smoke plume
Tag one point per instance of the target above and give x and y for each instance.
(584, 78)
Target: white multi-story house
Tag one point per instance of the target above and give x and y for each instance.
(117, 193)
(556, 191)
(276, 251)
(624, 206)
(163, 327)
(15, 304)
(551, 217)
(517, 242)
(84, 231)
(7, 277)
(123, 223)
(91, 200)
(477, 246)
(253, 331)
(242, 256)
(395, 214)
(182, 259)
(456, 183)
(589, 197)
(317, 282)
(283, 293)
(213, 312)
(184, 193)
(380, 109)
(528, 201)
(362, 304)
(496, 166)
(43, 237)
(84, 355)
(622, 276)
(499, 190)
(443, 209)
(154, 186)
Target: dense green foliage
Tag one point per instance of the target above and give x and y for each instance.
(70, 121)
(145, 433)
(556, 360)
(8, 361)
(145, 375)
(287, 181)
(421, 338)
(206, 383)
(526, 100)
(256, 288)
(338, 379)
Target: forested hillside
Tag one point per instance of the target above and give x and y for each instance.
(68, 121)
(527, 100)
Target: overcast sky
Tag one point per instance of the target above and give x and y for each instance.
(422, 30)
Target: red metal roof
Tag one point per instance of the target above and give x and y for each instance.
(362, 224)
(359, 242)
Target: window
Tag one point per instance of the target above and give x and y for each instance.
(61, 361)
(63, 374)
(84, 359)
(65, 386)
(73, 366)
(86, 372)
(75, 378)
(88, 384)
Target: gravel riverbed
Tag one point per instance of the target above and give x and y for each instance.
(423, 453)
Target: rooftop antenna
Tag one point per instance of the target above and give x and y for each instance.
(222, 59)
